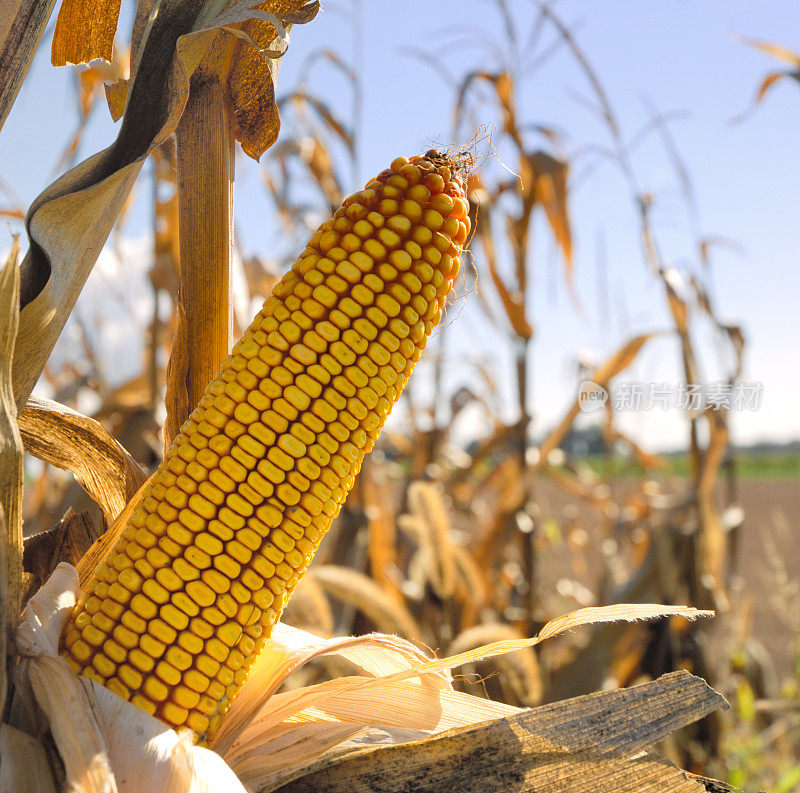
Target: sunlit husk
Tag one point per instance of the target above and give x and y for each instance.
(267, 738)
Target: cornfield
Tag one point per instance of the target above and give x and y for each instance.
(225, 565)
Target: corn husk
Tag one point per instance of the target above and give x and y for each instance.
(269, 737)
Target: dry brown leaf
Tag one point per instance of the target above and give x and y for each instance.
(673, 281)
(73, 442)
(357, 589)
(176, 399)
(503, 84)
(99, 549)
(67, 542)
(91, 84)
(550, 190)
(621, 359)
(24, 767)
(288, 649)
(556, 748)
(84, 31)
(253, 76)
(11, 473)
(429, 516)
(520, 673)
(512, 303)
(22, 23)
(777, 51)
(310, 608)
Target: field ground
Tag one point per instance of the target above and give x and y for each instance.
(749, 465)
(765, 559)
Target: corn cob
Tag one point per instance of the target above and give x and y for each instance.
(176, 615)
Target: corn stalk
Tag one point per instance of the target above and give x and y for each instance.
(205, 197)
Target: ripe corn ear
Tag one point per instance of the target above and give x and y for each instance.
(176, 615)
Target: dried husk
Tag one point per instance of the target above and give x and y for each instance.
(268, 738)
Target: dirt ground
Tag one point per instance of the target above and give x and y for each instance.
(765, 592)
(768, 567)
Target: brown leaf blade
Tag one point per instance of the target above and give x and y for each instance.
(563, 747)
(176, 400)
(253, 76)
(617, 363)
(73, 442)
(24, 767)
(10, 466)
(84, 31)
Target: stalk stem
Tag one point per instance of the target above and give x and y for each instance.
(205, 164)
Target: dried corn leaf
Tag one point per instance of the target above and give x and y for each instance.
(618, 362)
(288, 649)
(576, 746)
(10, 466)
(309, 606)
(91, 84)
(73, 442)
(252, 78)
(99, 549)
(67, 542)
(777, 51)
(241, 743)
(382, 610)
(513, 302)
(268, 754)
(84, 31)
(70, 221)
(550, 191)
(176, 399)
(24, 767)
(521, 669)
(433, 523)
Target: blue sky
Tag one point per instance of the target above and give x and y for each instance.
(674, 55)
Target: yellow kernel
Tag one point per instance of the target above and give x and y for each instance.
(270, 515)
(361, 260)
(419, 193)
(217, 650)
(374, 249)
(189, 641)
(143, 606)
(400, 224)
(263, 598)
(174, 617)
(287, 494)
(185, 697)
(197, 722)
(200, 593)
(239, 552)
(173, 714)
(325, 295)
(201, 627)
(196, 680)
(168, 673)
